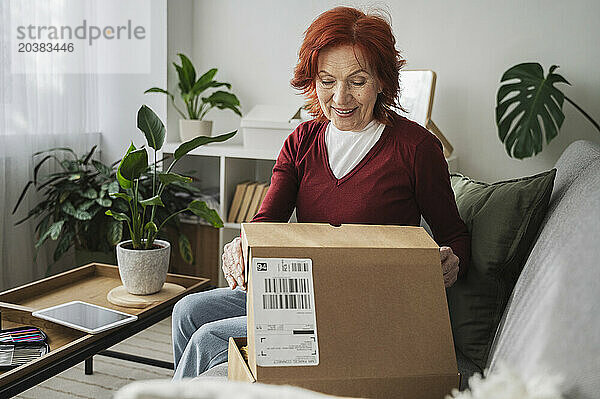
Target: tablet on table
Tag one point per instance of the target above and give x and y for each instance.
(84, 316)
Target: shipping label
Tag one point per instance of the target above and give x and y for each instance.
(284, 312)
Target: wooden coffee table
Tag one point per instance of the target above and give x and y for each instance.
(68, 347)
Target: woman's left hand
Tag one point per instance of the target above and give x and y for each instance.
(449, 265)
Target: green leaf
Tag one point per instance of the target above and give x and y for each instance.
(70, 210)
(121, 195)
(113, 187)
(63, 245)
(121, 217)
(86, 205)
(89, 155)
(55, 229)
(55, 149)
(204, 82)
(223, 97)
(152, 201)
(37, 167)
(153, 128)
(43, 224)
(63, 197)
(50, 181)
(224, 100)
(185, 249)
(214, 83)
(529, 109)
(39, 208)
(105, 202)
(52, 232)
(114, 234)
(157, 90)
(74, 177)
(133, 165)
(168, 178)
(188, 146)
(189, 73)
(122, 181)
(151, 227)
(184, 85)
(101, 168)
(29, 183)
(199, 208)
(71, 166)
(90, 193)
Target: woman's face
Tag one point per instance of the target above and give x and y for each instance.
(346, 87)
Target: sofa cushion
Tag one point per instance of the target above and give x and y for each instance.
(552, 321)
(503, 219)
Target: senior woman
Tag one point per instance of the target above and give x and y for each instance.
(356, 162)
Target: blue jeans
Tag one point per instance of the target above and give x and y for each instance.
(202, 325)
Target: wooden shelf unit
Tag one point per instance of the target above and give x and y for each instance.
(224, 166)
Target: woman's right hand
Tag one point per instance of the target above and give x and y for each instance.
(233, 264)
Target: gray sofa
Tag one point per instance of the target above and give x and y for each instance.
(552, 321)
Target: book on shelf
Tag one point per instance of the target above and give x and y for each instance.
(238, 196)
(246, 202)
(255, 203)
(264, 194)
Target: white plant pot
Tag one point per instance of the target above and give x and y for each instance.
(190, 129)
(143, 271)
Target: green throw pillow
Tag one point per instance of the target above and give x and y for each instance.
(503, 219)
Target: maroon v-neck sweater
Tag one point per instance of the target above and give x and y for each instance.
(401, 178)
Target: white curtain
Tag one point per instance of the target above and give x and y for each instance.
(38, 111)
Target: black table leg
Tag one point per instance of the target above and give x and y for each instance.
(138, 359)
(89, 365)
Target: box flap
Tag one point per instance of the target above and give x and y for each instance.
(237, 368)
(322, 235)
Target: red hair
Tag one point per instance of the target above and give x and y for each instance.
(372, 35)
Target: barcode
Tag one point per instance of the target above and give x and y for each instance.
(299, 267)
(284, 285)
(290, 301)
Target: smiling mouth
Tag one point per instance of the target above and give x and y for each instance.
(344, 112)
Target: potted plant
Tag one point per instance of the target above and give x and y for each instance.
(72, 210)
(144, 260)
(529, 107)
(191, 89)
(74, 201)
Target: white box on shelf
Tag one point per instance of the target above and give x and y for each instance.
(267, 126)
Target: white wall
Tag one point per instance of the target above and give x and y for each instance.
(468, 43)
(121, 95)
(180, 40)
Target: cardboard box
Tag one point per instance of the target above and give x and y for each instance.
(369, 318)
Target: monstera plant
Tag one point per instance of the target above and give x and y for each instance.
(529, 109)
